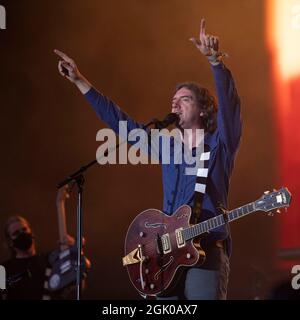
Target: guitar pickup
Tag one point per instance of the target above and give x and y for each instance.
(166, 243)
(179, 238)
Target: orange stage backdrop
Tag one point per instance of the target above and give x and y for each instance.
(283, 40)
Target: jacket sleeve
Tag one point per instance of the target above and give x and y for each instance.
(109, 112)
(112, 114)
(229, 109)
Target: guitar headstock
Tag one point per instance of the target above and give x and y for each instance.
(274, 200)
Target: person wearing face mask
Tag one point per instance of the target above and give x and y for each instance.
(26, 270)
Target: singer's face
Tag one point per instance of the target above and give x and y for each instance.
(185, 105)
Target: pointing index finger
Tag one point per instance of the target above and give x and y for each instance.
(202, 28)
(62, 55)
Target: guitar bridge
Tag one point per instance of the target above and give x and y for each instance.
(132, 257)
(166, 243)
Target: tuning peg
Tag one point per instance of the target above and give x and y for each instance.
(266, 192)
(275, 190)
(278, 211)
(271, 214)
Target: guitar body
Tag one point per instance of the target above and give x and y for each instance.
(157, 245)
(154, 252)
(63, 268)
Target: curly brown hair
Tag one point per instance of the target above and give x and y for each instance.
(207, 104)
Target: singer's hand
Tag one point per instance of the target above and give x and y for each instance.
(67, 68)
(207, 44)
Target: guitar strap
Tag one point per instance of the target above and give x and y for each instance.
(201, 184)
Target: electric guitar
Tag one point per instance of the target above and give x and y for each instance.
(63, 261)
(157, 245)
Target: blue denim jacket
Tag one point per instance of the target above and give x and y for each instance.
(223, 143)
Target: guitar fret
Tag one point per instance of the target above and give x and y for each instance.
(186, 233)
(235, 214)
(200, 228)
(203, 227)
(190, 234)
(220, 220)
(193, 231)
(217, 221)
(240, 212)
(249, 207)
(214, 223)
(206, 226)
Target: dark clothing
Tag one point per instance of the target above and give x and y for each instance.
(206, 282)
(25, 278)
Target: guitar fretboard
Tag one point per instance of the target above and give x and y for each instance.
(205, 226)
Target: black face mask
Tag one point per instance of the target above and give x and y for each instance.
(23, 241)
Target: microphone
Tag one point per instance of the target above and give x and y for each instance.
(168, 120)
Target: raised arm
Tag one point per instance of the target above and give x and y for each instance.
(68, 68)
(105, 108)
(229, 118)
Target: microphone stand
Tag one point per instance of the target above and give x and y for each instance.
(78, 178)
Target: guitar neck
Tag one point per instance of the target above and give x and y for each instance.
(210, 224)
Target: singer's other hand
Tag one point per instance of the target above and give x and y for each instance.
(68, 68)
(206, 44)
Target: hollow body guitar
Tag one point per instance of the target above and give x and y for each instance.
(157, 245)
